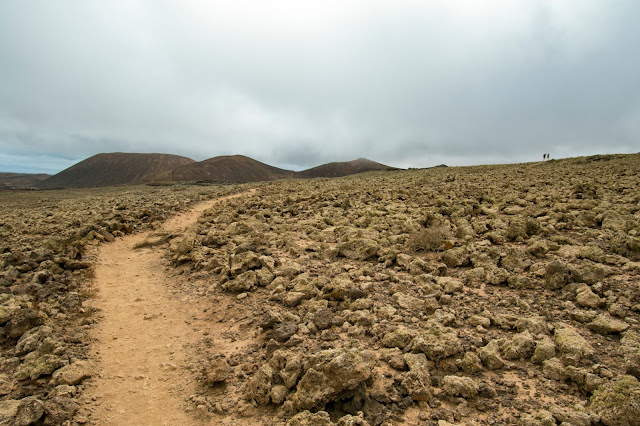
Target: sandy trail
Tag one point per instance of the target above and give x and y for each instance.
(139, 340)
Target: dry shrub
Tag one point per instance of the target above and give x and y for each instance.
(428, 239)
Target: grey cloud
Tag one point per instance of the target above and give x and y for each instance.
(412, 86)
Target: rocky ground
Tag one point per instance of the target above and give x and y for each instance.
(45, 282)
(477, 295)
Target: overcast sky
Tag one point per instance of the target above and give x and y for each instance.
(299, 83)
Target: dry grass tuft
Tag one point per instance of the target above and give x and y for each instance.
(429, 239)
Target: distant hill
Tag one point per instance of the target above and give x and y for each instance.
(345, 168)
(230, 168)
(116, 169)
(21, 180)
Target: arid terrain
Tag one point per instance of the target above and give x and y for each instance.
(120, 168)
(21, 180)
(504, 294)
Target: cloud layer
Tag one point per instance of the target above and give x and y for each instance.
(410, 84)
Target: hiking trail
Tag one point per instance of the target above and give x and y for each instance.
(138, 343)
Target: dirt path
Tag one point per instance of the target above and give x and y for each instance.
(140, 338)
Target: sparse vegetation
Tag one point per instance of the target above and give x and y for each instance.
(475, 295)
(429, 239)
(461, 299)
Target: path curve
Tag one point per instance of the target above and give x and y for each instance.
(143, 329)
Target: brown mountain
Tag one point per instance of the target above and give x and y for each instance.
(230, 168)
(21, 180)
(344, 168)
(116, 168)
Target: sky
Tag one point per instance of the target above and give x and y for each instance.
(299, 83)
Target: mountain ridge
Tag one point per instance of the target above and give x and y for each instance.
(118, 168)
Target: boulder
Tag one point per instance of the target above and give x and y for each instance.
(556, 275)
(450, 285)
(36, 364)
(32, 339)
(490, 355)
(455, 257)
(21, 321)
(329, 372)
(323, 318)
(572, 346)
(246, 281)
(588, 299)
(545, 349)
(460, 386)
(307, 418)
(618, 402)
(535, 325)
(350, 420)
(59, 409)
(574, 417)
(287, 365)
(399, 338)
(470, 363)
(406, 301)
(593, 253)
(22, 412)
(217, 371)
(73, 374)
(630, 350)
(259, 386)
(283, 331)
(417, 381)
(437, 341)
(244, 262)
(554, 369)
(606, 324)
(337, 289)
(520, 346)
(359, 249)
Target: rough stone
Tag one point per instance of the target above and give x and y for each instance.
(545, 349)
(21, 412)
(490, 355)
(460, 386)
(36, 364)
(470, 363)
(59, 409)
(520, 346)
(399, 338)
(606, 324)
(73, 374)
(588, 299)
(243, 282)
(455, 257)
(350, 420)
(630, 350)
(554, 369)
(217, 371)
(450, 285)
(572, 346)
(557, 275)
(329, 372)
(359, 249)
(618, 402)
(417, 381)
(259, 386)
(437, 341)
(307, 418)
